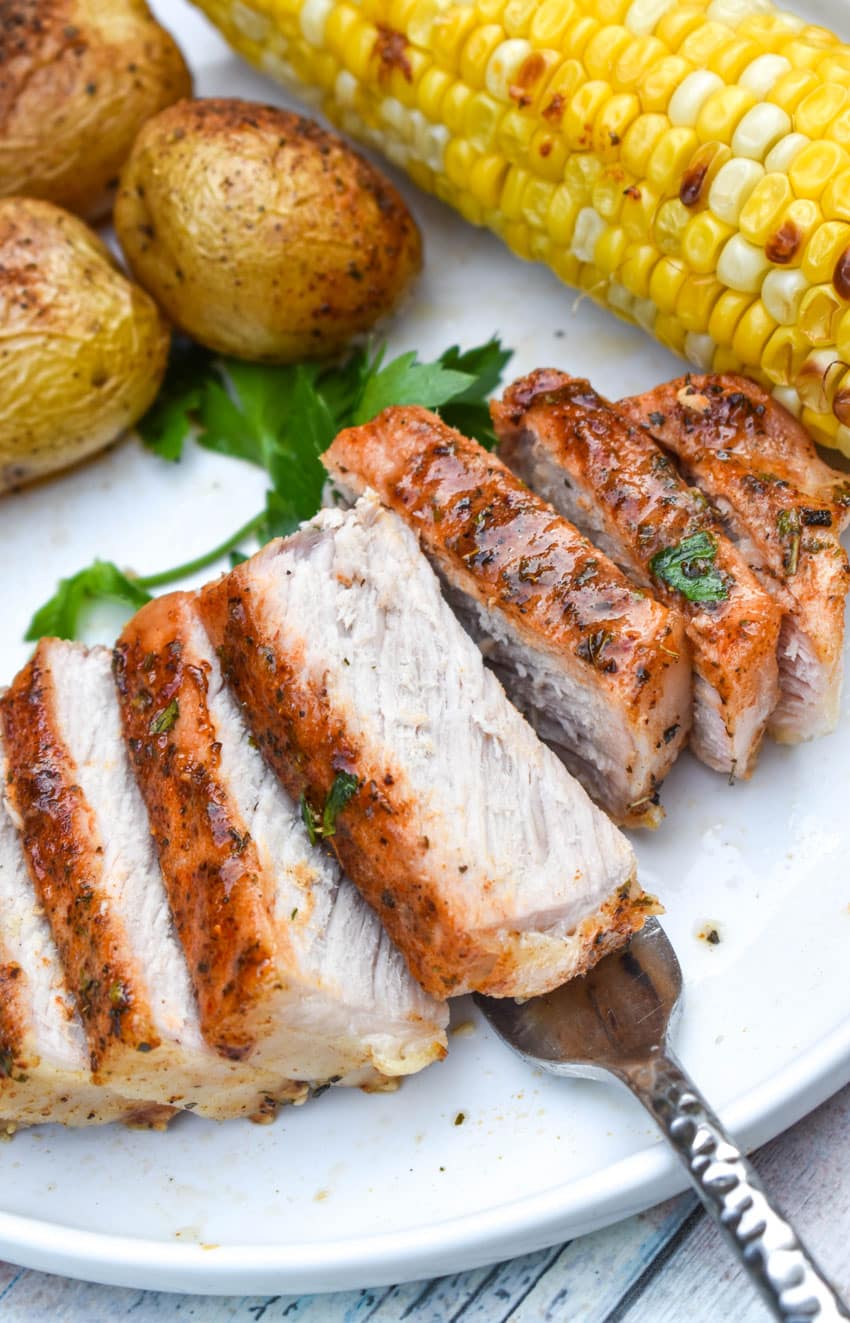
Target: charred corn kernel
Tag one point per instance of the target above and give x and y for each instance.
(812, 169)
(732, 186)
(665, 283)
(815, 112)
(640, 141)
(725, 315)
(722, 112)
(821, 310)
(670, 157)
(828, 243)
(696, 299)
(703, 242)
(636, 269)
(686, 162)
(763, 209)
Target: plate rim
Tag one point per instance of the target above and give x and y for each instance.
(520, 1226)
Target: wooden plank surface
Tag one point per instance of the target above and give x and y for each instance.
(662, 1267)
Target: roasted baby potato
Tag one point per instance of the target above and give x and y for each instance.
(260, 234)
(77, 81)
(82, 350)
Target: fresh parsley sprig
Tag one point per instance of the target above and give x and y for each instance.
(280, 418)
(689, 568)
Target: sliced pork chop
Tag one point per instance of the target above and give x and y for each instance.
(624, 492)
(789, 537)
(289, 964)
(488, 864)
(92, 860)
(45, 1073)
(601, 670)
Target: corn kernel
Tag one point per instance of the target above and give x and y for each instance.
(730, 60)
(513, 190)
(561, 219)
(822, 427)
(696, 299)
(700, 350)
(761, 212)
(517, 17)
(604, 49)
(612, 123)
(640, 203)
(703, 41)
(636, 269)
(690, 97)
(608, 195)
(671, 221)
(487, 179)
(821, 310)
(643, 15)
(725, 315)
(823, 250)
(432, 88)
(816, 111)
(835, 67)
(812, 170)
(817, 379)
(610, 249)
(669, 158)
(454, 108)
(842, 342)
(725, 360)
(789, 90)
(580, 175)
(589, 228)
(641, 138)
(752, 333)
(563, 83)
(516, 237)
(620, 300)
(802, 54)
(567, 266)
(504, 66)
(783, 292)
(731, 188)
(783, 355)
(835, 200)
(514, 134)
(722, 112)
(678, 22)
(701, 172)
(785, 152)
(788, 398)
(550, 22)
(340, 25)
(669, 331)
(458, 161)
(476, 52)
(635, 61)
(578, 34)
(548, 154)
(581, 115)
(703, 242)
(760, 129)
(645, 314)
(763, 73)
(839, 130)
(447, 36)
(535, 201)
(539, 246)
(661, 81)
(667, 279)
(742, 265)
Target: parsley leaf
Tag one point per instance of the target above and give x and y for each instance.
(469, 412)
(162, 722)
(61, 615)
(168, 421)
(345, 785)
(407, 381)
(689, 568)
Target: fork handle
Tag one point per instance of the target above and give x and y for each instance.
(731, 1190)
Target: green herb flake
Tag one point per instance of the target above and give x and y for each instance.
(345, 785)
(790, 527)
(163, 721)
(689, 568)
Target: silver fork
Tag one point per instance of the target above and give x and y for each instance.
(615, 1022)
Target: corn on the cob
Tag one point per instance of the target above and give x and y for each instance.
(685, 162)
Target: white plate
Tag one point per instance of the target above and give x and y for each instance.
(357, 1190)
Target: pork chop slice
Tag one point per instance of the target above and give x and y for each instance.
(625, 493)
(45, 1073)
(601, 670)
(291, 968)
(488, 864)
(93, 864)
(789, 537)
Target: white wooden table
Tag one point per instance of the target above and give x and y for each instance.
(665, 1266)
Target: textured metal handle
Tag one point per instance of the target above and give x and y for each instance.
(728, 1185)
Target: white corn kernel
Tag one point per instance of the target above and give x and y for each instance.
(253, 25)
(782, 293)
(504, 65)
(688, 98)
(734, 12)
(313, 17)
(398, 117)
(699, 350)
(588, 229)
(759, 130)
(621, 298)
(789, 20)
(644, 15)
(429, 141)
(788, 398)
(741, 265)
(645, 314)
(780, 158)
(732, 185)
(345, 89)
(761, 74)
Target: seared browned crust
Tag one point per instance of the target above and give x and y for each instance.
(64, 856)
(214, 879)
(13, 1020)
(307, 744)
(641, 497)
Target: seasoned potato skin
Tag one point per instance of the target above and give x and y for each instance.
(260, 234)
(78, 78)
(82, 350)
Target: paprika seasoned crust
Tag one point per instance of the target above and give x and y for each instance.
(88, 848)
(726, 441)
(600, 669)
(45, 1073)
(291, 969)
(574, 449)
(487, 863)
